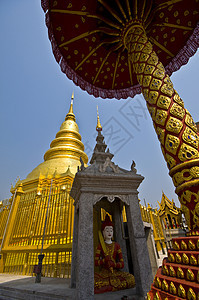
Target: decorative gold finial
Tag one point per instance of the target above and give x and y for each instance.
(70, 114)
(99, 126)
(71, 104)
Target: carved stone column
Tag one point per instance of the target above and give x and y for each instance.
(85, 256)
(138, 244)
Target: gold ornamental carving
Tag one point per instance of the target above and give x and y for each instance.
(172, 288)
(190, 275)
(181, 291)
(180, 273)
(191, 295)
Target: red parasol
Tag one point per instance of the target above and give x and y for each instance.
(87, 39)
(120, 48)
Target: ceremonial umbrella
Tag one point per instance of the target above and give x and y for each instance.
(124, 47)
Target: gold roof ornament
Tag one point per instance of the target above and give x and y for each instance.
(70, 114)
(65, 150)
(99, 126)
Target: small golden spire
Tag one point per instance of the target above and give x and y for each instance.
(99, 126)
(71, 104)
(70, 113)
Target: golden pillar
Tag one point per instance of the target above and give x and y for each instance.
(173, 124)
(10, 224)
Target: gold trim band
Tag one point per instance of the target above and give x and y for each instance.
(183, 165)
(186, 185)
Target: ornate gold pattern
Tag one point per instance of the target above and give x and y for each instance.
(185, 175)
(180, 273)
(172, 288)
(172, 143)
(172, 271)
(163, 102)
(191, 295)
(181, 291)
(178, 258)
(176, 130)
(176, 245)
(161, 134)
(191, 245)
(183, 245)
(165, 270)
(174, 125)
(193, 260)
(177, 111)
(165, 285)
(171, 258)
(190, 275)
(187, 152)
(190, 137)
(185, 259)
(170, 161)
(157, 282)
(189, 121)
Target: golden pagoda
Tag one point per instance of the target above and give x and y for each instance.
(171, 216)
(46, 188)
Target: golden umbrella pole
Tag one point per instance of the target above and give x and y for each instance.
(41, 256)
(173, 123)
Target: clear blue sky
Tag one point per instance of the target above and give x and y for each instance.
(35, 97)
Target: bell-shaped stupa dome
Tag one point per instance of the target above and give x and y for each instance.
(65, 150)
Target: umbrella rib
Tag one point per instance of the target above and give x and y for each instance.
(173, 26)
(166, 4)
(81, 36)
(130, 73)
(148, 12)
(96, 48)
(136, 8)
(116, 65)
(108, 22)
(79, 65)
(70, 12)
(143, 8)
(103, 62)
(111, 11)
(86, 14)
(161, 46)
(129, 9)
(121, 9)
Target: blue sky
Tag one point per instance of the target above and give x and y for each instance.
(35, 97)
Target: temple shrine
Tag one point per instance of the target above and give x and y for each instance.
(23, 215)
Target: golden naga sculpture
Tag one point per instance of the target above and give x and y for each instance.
(109, 258)
(121, 48)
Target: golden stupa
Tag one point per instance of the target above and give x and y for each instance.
(65, 150)
(43, 195)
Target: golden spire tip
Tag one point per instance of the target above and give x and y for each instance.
(99, 126)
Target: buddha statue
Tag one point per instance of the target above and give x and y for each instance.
(109, 258)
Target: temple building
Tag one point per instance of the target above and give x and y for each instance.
(38, 218)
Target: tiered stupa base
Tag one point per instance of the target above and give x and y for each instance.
(178, 278)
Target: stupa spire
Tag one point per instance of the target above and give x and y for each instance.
(99, 126)
(66, 149)
(70, 114)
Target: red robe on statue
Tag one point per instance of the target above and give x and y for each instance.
(110, 278)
